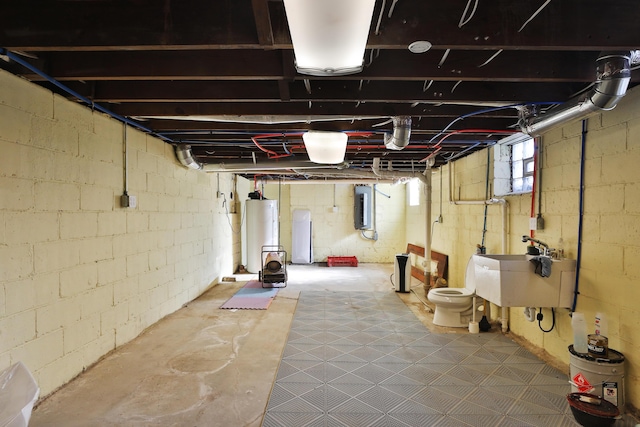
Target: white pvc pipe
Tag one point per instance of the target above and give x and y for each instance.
(492, 201)
(504, 320)
(504, 204)
(427, 243)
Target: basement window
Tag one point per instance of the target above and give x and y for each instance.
(513, 165)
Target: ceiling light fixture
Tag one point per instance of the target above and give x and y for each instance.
(419, 46)
(329, 36)
(325, 147)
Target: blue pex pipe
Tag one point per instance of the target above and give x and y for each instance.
(87, 101)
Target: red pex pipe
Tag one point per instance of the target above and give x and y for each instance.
(455, 132)
(273, 155)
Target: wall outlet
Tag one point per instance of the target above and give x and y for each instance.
(127, 201)
(533, 223)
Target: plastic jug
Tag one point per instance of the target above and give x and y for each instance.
(579, 326)
(602, 327)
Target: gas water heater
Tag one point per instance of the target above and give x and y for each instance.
(402, 273)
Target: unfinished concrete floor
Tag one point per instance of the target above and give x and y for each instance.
(200, 366)
(203, 366)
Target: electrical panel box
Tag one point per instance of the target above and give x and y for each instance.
(362, 207)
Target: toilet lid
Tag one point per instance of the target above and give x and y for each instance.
(470, 276)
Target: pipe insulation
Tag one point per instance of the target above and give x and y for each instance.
(613, 73)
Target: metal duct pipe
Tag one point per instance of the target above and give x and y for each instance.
(279, 165)
(401, 133)
(364, 174)
(266, 180)
(613, 72)
(185, 157)
(265, 119)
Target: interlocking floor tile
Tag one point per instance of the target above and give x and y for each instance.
(364, 359)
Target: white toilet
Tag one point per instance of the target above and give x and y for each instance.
(454, 306)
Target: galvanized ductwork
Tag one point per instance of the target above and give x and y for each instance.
(266, 167)
(185, 157)
(613, 72)
(401, 133)
(397, 140)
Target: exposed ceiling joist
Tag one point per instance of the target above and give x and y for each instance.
(214, 74)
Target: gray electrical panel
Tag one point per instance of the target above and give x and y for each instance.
(362, 207)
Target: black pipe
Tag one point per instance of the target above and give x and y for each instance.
(583, 144)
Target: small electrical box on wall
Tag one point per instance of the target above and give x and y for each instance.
(362, 207)
(127, 201)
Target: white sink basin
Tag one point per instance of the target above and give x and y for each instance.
(511, 281)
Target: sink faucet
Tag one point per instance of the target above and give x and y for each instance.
(546, 251)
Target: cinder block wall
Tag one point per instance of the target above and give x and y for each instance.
(609, 274)
(79, 275)
(334, 233)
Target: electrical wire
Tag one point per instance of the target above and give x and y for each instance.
(444, 57)
(384, 3)
(487, 110)
(391, 8)
(491, 58)
(463, 20)
(553, 323)
(455, 132)
(226, 207)
(426, 85)
(534, 14)
(270, 153)
(289, 153)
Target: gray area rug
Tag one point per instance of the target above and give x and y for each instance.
(363, 359)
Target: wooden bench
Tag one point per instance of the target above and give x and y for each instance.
(442, 268)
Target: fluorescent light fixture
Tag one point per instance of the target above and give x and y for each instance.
(329, 36)
(325, 147)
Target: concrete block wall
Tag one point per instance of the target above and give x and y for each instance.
(333, 232)
(460, 231)
(79, 275)
(609, 273)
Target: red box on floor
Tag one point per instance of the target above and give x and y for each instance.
(342, 261)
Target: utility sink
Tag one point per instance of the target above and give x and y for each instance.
(511, 281)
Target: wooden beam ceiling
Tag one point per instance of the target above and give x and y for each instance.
(198, 60)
